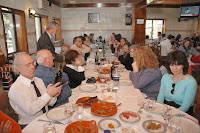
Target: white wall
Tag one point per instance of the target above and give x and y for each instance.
(111, 20)
(24, 5)
(185, 28)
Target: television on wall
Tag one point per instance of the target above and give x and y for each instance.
(189, 11)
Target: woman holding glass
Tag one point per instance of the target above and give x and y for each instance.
(73, 69)
(146, 74)
(178, 88)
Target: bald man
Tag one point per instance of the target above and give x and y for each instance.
(28, 95)
(46, 72)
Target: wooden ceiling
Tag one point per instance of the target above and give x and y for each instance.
(121, 3)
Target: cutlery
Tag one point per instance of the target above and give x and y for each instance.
(56, 122)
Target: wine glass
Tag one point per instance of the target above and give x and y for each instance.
(175, 124)
(167, 113)
(150, 105)
(49, 128)
(80, 110)
(69, 111)
(140, 103)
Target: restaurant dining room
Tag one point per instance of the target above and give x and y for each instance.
(99, 66)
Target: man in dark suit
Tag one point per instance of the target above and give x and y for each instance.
(46, 40)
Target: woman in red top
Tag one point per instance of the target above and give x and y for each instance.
(8, 125)
(195, 72)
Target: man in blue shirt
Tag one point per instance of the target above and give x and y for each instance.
(46, 72)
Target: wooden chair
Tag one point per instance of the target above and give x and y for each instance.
(159, 54)
(5, 106)
(196, 108)
(147, 45)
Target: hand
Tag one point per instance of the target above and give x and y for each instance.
(6, 128)
(117, 46)
(135, 67)
(54, 90)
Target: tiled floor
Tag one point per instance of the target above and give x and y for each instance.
(1, 88)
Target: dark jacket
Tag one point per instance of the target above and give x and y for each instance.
(126, 61)
(44, 42)
(75, 77)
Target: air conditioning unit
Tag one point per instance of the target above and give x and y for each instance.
(44, 4)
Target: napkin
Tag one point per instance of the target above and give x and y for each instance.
(84, 116)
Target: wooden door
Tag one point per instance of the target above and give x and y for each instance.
(44, 23)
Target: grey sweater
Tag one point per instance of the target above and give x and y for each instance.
(148, 81)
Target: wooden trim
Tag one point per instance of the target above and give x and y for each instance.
(97, 30)
(163, 6)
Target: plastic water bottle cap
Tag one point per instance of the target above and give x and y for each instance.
(107, 131)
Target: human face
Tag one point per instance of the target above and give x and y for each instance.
(78, 42)
(49, 60)
(123, 42)
(187, 43)
(132, 53)
(176, 69)
(126, 50)
(27, 67)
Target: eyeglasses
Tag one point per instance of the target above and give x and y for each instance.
(173, 86)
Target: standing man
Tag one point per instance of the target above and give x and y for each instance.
(28, 95)
(45, 71)
(46, 41)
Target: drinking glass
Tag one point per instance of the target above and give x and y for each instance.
(140, 103)
(80, 111)
(69, 111)
(150, 105)
(175, 124)
(49, 128)
(167, 113)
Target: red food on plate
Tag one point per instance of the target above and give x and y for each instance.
(128, 114)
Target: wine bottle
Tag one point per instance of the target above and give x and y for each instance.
(112, 69)
(96, 59)
(58, 76)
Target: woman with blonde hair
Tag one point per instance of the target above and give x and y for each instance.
(146, 74)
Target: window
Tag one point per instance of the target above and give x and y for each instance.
(41, 23)
(14, 30)
(154, 26)
(10, 32)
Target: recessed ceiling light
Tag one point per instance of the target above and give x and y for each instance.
(158, 2)
(99, 5)
(72, 2)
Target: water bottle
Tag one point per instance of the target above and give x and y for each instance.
(96, 59)
(116, 78)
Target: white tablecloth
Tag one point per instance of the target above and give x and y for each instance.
(126, 95)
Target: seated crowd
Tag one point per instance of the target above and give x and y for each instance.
(34, 92)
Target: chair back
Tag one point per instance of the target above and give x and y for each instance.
(196, 108)
(6, 107)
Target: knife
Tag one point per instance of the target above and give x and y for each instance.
(88, 99)
(56, 122)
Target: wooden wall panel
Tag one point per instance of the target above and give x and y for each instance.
(44, 23)
(139, 29)
(21, 31)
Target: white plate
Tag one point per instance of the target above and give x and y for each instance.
(189, 126)
(57, 114)
(88, 87)
(162, 129)
(103, 124)
(89, 75)
(131, 118)
(158, 109)
(125, 82)
(108, 97)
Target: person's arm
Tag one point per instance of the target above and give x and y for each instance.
(161, 96)
(194, 51)
(142, 80)
(189, 96)
(181, 48)
(169, 48)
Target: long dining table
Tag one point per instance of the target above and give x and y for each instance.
(126, 95)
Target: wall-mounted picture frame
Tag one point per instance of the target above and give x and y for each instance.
(128, 19)
(93, 18)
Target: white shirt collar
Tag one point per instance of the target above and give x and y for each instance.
(49, 35)
(78, 69)
(26, 80)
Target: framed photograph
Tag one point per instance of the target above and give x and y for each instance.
(93, 18)
(128, 19)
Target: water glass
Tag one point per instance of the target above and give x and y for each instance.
(167, 113)
(140, 103)
(69, 111)
(49, 128)
(175, 124)
(80, 111)
(151, 104)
